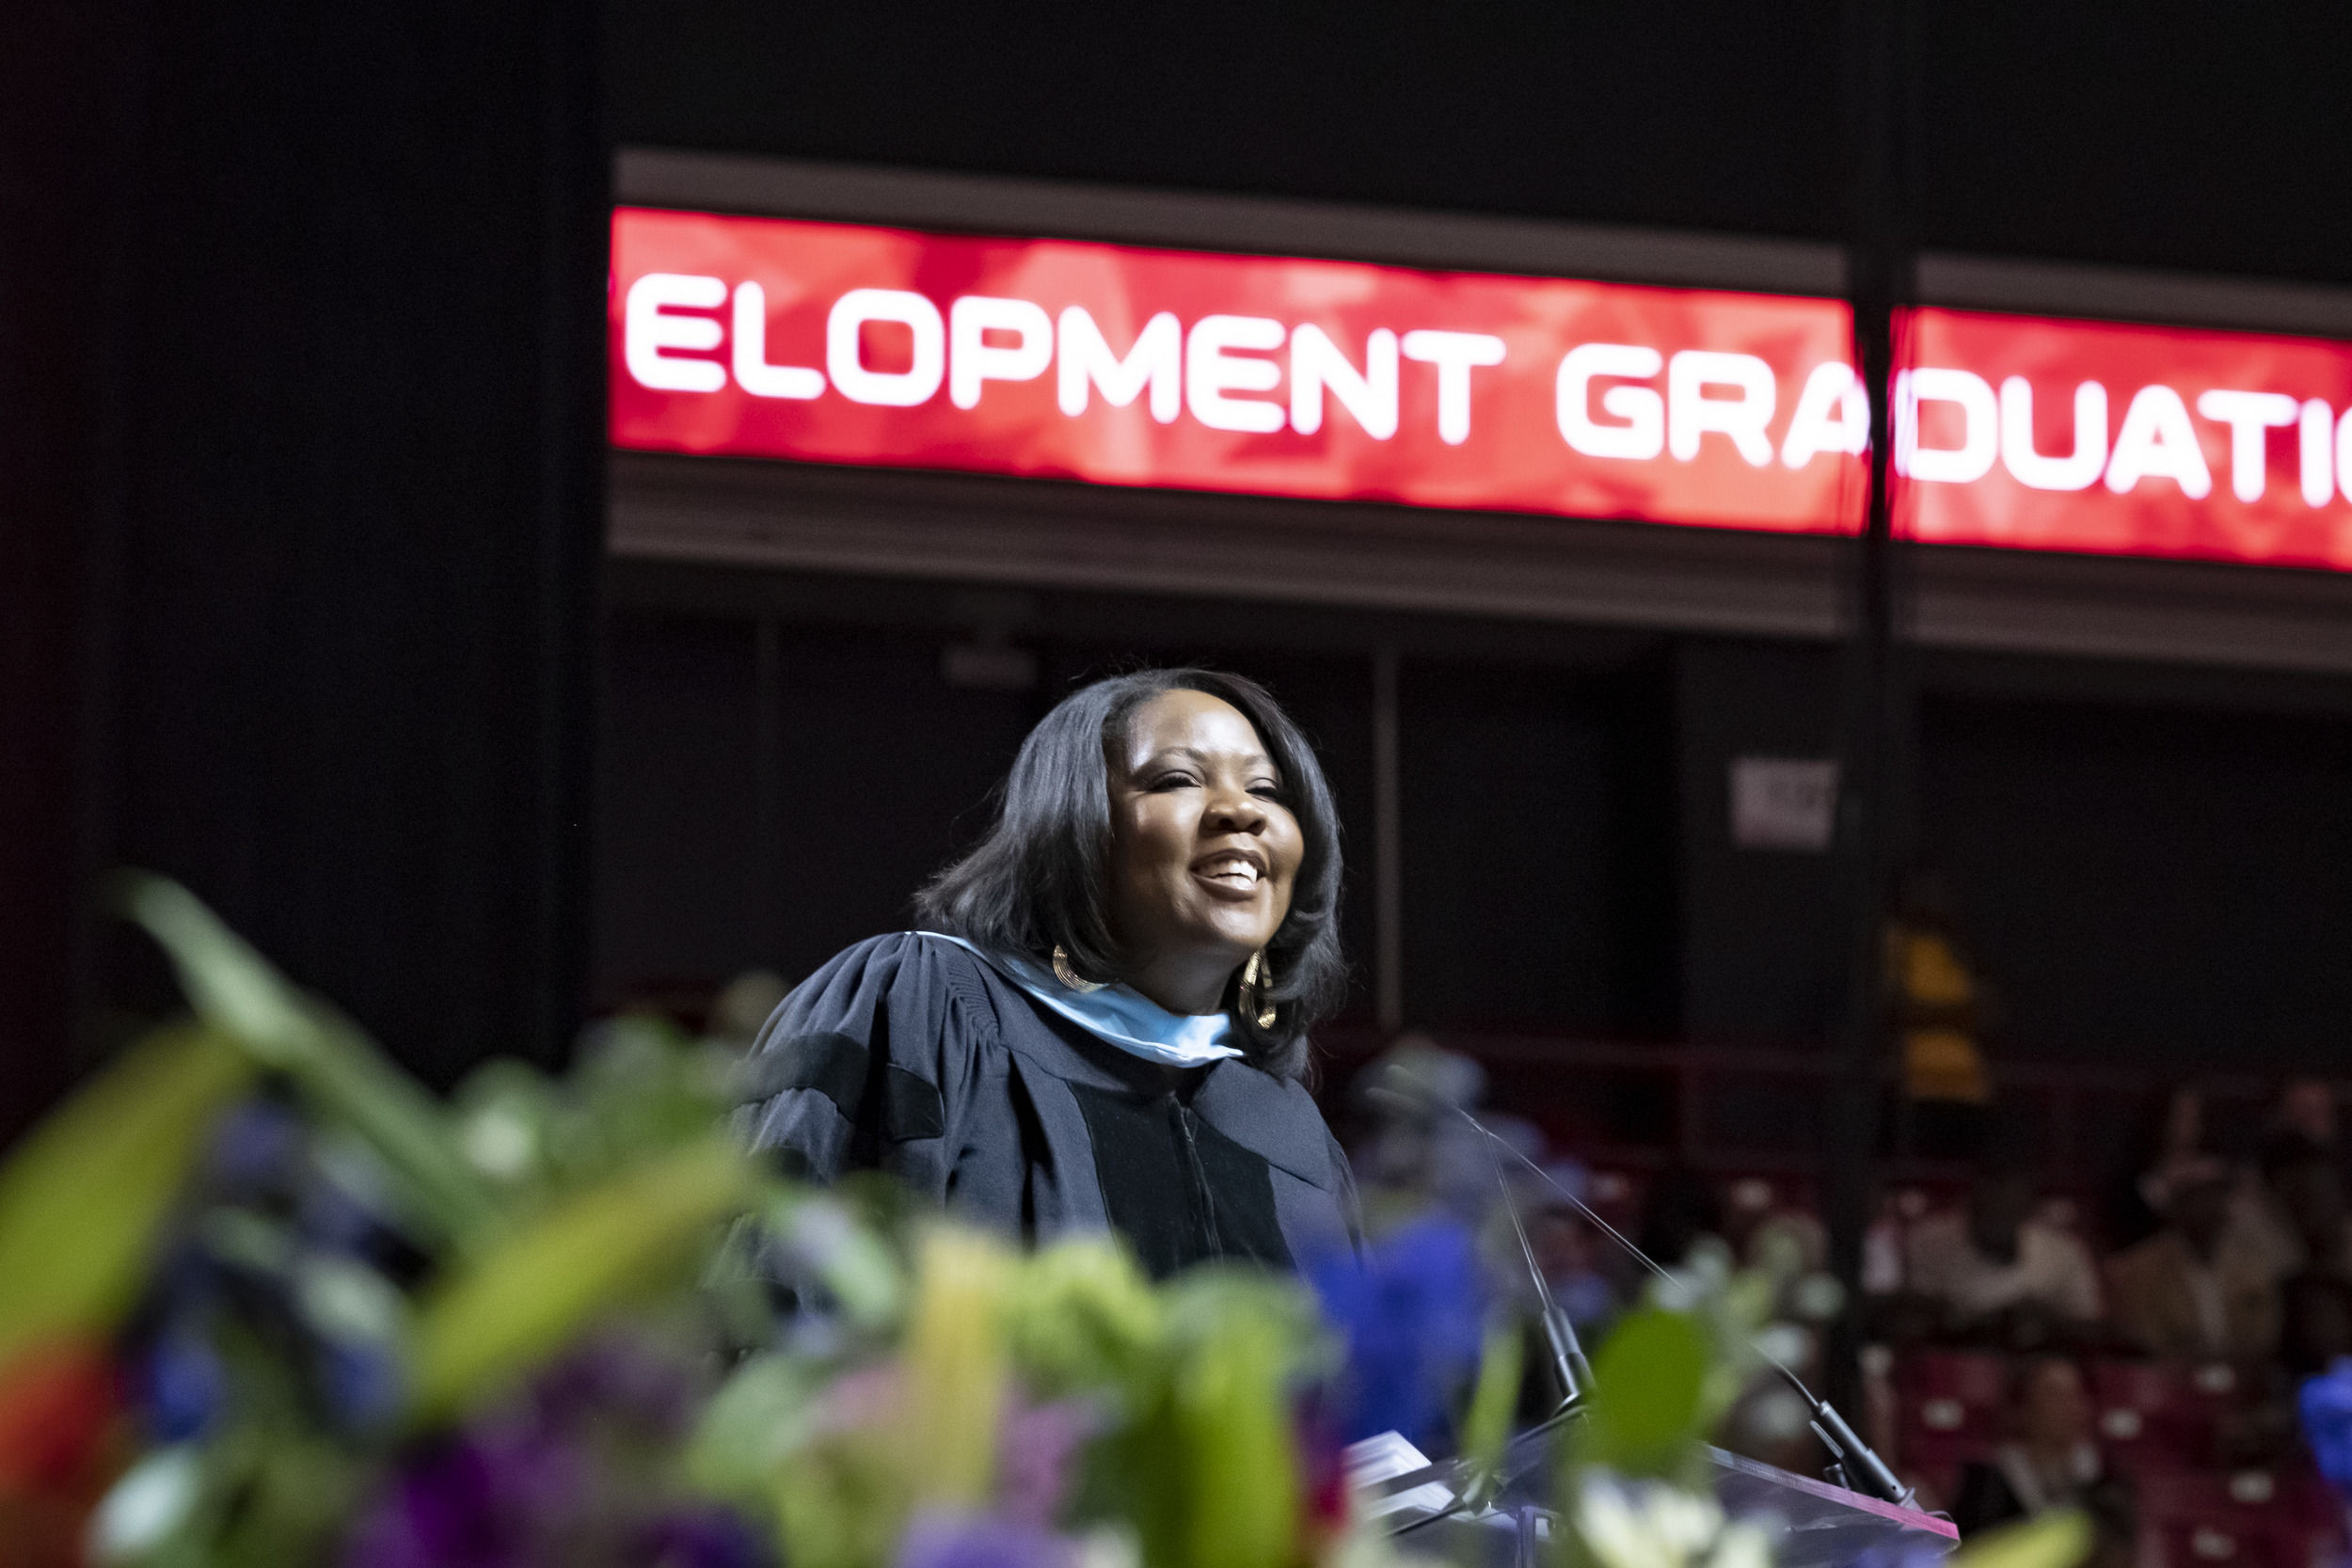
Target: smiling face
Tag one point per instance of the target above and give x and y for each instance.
(1204, 851)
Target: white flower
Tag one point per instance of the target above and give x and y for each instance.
(1109, 1546)
(1742, 1546)
(1645, 1524)
(1649, 1524)
(153, 1498)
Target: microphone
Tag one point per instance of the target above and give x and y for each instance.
(1568, 1365)
(1852, 1459)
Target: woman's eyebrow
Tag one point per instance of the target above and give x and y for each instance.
(1193, 753)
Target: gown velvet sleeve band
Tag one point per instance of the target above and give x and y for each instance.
(869, 1063)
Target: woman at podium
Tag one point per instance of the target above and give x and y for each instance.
(1102, 1021)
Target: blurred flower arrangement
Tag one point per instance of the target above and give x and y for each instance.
(266, 1303)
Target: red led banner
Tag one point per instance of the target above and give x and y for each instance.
(2126, 440)
(1335, 380)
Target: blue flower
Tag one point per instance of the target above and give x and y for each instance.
(255, 1147)
(2324, 1403)
(362, 1382)
(182, 1383)
(1413, 1312)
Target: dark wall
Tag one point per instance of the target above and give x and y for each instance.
(1764, 930)
(53, 211)
(2150, 867)
(2180, 133)
(678, 797)
(2166, 887)
(2174, 134)
(1539, 845)
(326, 528)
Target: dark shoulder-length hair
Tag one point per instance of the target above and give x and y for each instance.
(1040, 878)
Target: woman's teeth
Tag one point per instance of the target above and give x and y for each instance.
(1234, 870)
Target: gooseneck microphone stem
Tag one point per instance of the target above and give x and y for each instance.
(1853, 1460)
(1568, 1366)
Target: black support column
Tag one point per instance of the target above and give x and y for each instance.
(1882, 55)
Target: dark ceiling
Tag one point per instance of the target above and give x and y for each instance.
(2186, 133)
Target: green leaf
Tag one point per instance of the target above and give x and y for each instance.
(760, 1413)
(236, 991)
(1203, 1461)
(1233, 1407)
(1648, 1382)
(295, 1504)
(854, 1263)
(630, 1235)
(82, 1196)
(958, 1365)
(843, 1500)
(1085, 1319)
(1488, 1426)
(2059, 1539)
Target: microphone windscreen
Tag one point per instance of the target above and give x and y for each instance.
(1391, 1098)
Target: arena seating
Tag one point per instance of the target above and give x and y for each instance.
(2159, 1427)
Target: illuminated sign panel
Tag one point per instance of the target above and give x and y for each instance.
(2129, 440)
(1334, 380)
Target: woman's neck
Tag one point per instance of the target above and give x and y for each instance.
(1185, 982)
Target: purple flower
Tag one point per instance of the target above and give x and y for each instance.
(1414, 1314)
(981, 1541)
(706, 1537)
(616, 1377)
(1912, 1554)
(1037, 1456)
(473, 1504)
(571, 1474)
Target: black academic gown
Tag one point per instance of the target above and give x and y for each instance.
(915, 1056)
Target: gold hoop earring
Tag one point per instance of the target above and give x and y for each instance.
(1068, 976)
(1251, 992)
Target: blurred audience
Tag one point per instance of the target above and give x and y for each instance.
(1574, 1257)
(2225, 1298)
(2201, 1289)
(1769, 1234)
(1413, 1152)
(2300, 1207)
(2050, 1458)
(2168, 1141)
(1994, 1265)
(2306, 1113)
